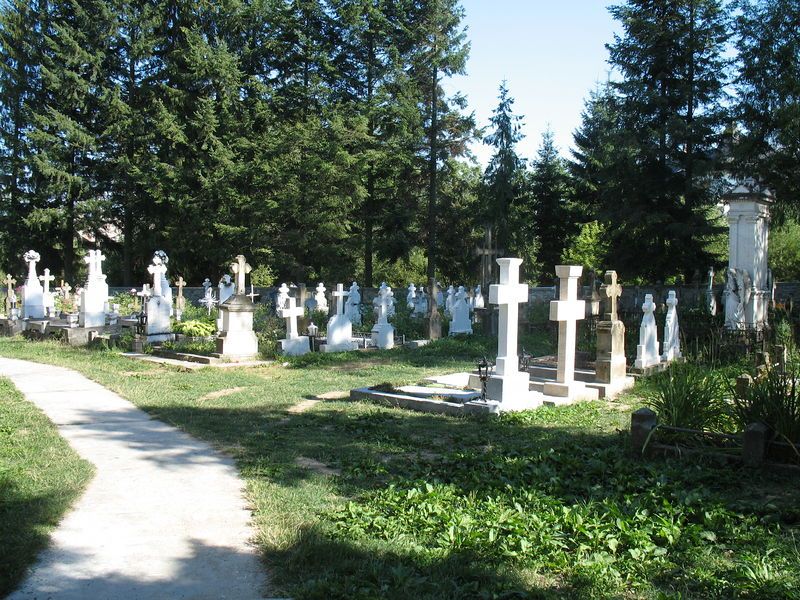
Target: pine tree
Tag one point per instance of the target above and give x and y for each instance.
(553, 221)
(503, 180)
(66, 120)
(671, 113)
(769, 88)
(440, 50)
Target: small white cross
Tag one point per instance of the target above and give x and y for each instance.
(46, 279)
(291, 313)
(340, 295)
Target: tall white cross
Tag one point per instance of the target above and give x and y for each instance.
(340, 295)
(240, 269)
(567, 310)
(509, 293)
(98, 263)
(291, 313)
(91, 262)
(46, 279)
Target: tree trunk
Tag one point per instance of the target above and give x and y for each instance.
(432, 175)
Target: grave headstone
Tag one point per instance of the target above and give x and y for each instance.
(671, 348)
(48, 299)
(158, 308)
(226, 289)
(281, 299)
(294, 344)
(382, 331)
(236, 340)
(461, 322)
(567, 310)
(411, 297)
(180, 301)
(353, 306)
(320, 299)
(32, 301)
(748, 293)
(340, 329)
(450, 300)
(478, 301)
(11, 295)
(508, 386)
(610, 365)
(647, 350)
(421, 303)
(94, 296)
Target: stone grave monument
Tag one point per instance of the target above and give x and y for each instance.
(180, 301)
(237, 341)
(281, 299)
(647, 350)
(461, 322)
(382, 331)
(477, 300)
(508, 386)
(48, 298)
(567, 310)
(611, 365)
(158, 327)
(32, 301)
(340, 329)
(320, 300)
(671, 348)
(294, 344)
(748, 290)
(353, 307)
(94, 296)
(11, 297)
(450, 300)
(411, 297)
(421, 303)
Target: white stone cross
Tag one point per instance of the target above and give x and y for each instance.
(46, 279)
(145, 293)
(411, 296)
(157, 270)
(611, 290)
(90, 261)
(340, 295)
(567, 310)
(98, 263)
(280, 300)
(10, 281)
(384, 300)
(508, 294)
(319, 297)
(291, 313)
(241, 269)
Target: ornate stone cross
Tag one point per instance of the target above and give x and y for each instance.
(157, 270)
(241, 269)
(180, 301)
(611, 292)
(32, 257)
(65, 288)
(10, 295)
(10, 281)
(90, 261)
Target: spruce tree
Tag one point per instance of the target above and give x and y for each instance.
(553, 220)
(768, 90)
(504, 178)
(671, 94)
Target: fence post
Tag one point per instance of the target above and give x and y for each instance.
(643, 421)
(755, 444)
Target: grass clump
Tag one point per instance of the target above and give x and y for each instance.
(689, 396)
(40, 477)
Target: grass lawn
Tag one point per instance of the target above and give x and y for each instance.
(353, 500)
(40, 477)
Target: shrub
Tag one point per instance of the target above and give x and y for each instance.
(689, 396)
(129, 304)
(269, 328)
(774, 400)
(194, 328)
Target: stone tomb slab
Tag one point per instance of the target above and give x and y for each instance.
(424, 404)
(456, 380)
(429, 392)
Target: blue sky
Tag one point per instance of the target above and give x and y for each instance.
(550, 53)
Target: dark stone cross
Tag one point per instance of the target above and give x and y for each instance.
(10, 281)
(610, 291)
(488, 256)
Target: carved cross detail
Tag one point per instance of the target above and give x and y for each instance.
(610, 291)
(240, 269)
(340, 295)
(46, 279)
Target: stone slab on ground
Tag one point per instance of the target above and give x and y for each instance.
(456, 380)
(424, 404)
(164, 516)
(427, 392)
(192, 365)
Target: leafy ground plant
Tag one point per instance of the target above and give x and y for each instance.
(773, 398)
(543, 504)
(40, 477)
(689, 396)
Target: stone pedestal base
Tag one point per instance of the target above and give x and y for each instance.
(574, 390)
(93, 319)
(158, 328)
(239, 345)
(610, 364)
(644, 359)
(296, 346)
(512, 392)
(340, 333)
(153, 338)
(345, 347)
(383, 336)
